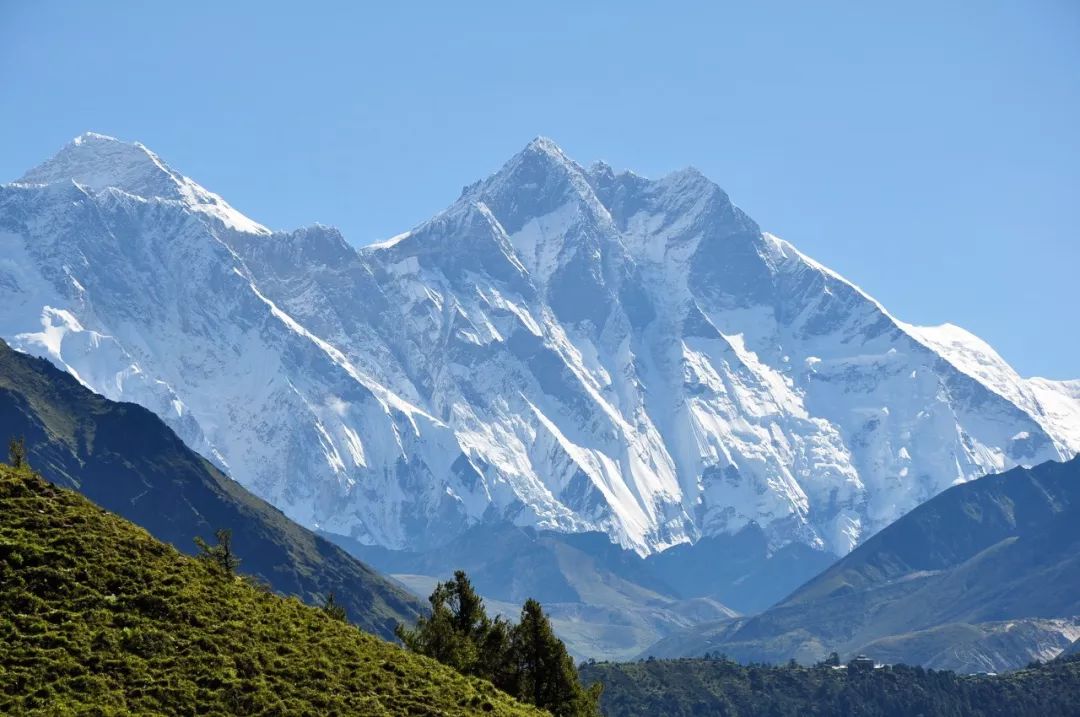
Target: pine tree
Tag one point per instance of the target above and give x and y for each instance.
(334, 609)
(450, 634)
(17, 454)
(524, 660)
(495, 661)
(221, 554)
(546, 673)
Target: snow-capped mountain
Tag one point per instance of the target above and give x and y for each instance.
(575, 349)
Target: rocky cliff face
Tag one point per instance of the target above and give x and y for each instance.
(573, 349)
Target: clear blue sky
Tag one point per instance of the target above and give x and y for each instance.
(929, 151)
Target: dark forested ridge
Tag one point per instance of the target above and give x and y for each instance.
(700, 687)
(125, 459)
(98, 617)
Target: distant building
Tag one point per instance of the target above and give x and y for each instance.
(861, 663)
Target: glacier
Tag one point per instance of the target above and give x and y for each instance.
(564, 347)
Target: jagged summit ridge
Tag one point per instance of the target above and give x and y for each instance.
(575, 349)
(98, 162)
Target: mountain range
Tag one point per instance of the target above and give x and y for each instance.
(983, 577)
(621, 384)
(571, 349)
(607, 602)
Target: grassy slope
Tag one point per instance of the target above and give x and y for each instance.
(681, 688)
(94, 612)
(126, 460)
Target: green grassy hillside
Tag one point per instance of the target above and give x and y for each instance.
(125, 459)
(98, 617)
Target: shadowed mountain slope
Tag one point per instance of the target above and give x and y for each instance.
(122, 457)
(985, 576)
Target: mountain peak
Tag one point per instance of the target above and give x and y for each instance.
(93, 137)
(536, 181)
(599, 315)
(98, 161)
(545, 145)
(541, 154)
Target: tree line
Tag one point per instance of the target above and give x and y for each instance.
(525, 660)
(717, 686)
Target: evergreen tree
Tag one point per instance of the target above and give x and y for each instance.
(524, 660)
(17, 454)
(546, 674)
(495, 661)
(221, 554)
(457, 625)
(334, 609)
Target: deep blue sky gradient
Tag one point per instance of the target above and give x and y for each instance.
(928, 151)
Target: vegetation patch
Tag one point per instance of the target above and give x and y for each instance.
(98, 617)
(721, 687)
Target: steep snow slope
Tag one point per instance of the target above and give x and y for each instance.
(575, 349)
(1054, 404)
(143, 300)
